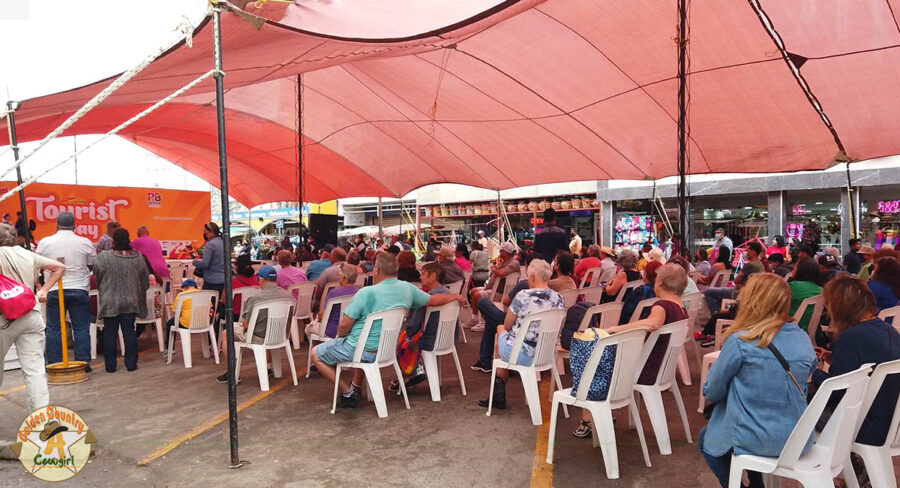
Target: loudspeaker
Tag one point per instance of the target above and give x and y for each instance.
(323, 229)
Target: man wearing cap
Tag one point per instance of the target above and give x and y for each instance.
(77, 253)
(316, 267)
(452, 271)
(866, 256)
(105, 243)
(607, 265)
(483, 240)
(828, 269)
(508, 264)
(552, 238)
(575, 244)
(852, 261)
(268, 290)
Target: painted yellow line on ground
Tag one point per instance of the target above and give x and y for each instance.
(210, 423)
(12, 390)
(541, 472)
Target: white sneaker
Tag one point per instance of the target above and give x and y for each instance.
(479, 327)
(472, 322)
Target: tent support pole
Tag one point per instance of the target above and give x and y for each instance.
(14, 142)
(380, 221)
(300, 153)
(226, 239)
(683, 220)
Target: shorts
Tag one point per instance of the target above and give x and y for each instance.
(340, 351)
(504, 348)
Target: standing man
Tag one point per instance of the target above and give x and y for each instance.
(851, 260)
(78, 255)
(552, 238)
(575, 244)
(106, 242)
(152, 250)
(483, 240)
(395, 242)
(723, 240)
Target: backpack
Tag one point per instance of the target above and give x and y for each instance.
(573, 320)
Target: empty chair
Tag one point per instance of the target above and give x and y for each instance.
(391, 321)
(278, 317)
(664, 381)
(877, 459)
(201, 323)
(831, 449)
(621, 394)
(544, 359)
(448, 316)
(155, 296)
(304, 294)
(316, 331)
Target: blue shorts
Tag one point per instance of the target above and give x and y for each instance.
(504, 348)
(339, 351)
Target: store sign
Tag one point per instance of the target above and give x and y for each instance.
(889, 206)
(799, 209)
(537, 221)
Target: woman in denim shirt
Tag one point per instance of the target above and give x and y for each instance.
(758, 404)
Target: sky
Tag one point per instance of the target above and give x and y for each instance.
(55, 45)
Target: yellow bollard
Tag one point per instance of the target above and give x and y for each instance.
(65, 372)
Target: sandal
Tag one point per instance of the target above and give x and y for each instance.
(583, 431)
(394, 386)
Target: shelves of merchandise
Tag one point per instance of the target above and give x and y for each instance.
(474, 209)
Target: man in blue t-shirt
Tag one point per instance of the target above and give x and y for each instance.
(388, 292)
(316, 268)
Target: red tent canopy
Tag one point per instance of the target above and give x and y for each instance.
(500, 94)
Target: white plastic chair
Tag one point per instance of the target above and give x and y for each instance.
(96, 325)
(391, 321)
(278, 317)
(570, 297)
(456, 287)
(621, 394)
(607, 315)
(831, 449)
(891, 313)
(201, 323)
(448, 316)
(711, 357)
(877, 459)
(594, 275)
(245, 292)
(511, 280)
(692, 303)
(720, 279)
(593, 294)
(302, 308)
(628, 286)
(544, 358)
(818, 305)
(317, 334)
(153, 293)
(640, 307)
(664, 381)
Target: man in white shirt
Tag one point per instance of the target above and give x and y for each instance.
(78, 254)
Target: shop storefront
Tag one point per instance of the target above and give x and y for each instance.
(742, 216)
(879, 216)
(814, 217)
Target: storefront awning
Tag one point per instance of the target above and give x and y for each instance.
(502, 94)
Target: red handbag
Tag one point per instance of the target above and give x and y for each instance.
(16, 299)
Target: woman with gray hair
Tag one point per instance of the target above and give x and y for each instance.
(27, 331)
(628, 261)
(538, 297)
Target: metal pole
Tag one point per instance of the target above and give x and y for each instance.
(683, 223)
(14, 142)
(380, 221)
(226, 239)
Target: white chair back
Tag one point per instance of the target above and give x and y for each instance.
(456, 287)
(245, 292)
(550, 321)
(328, 287)
(641, 306)
(891, 314)
(278, 316)
(882, 371)
(202, 302)
(153, 293)
(726, 304)
(467, 282)
(304, 298)
(837, 434)
(448, 316)
(510, 283)
(720, 279)
(607, 315)
(628, 286)
(570, 297)
(818, 305)
(628, 350)
(593, 294)
(721, 324)
(676, 331)
(341, 303)
(693, 303)
(591, 277)
(361, 280)
(391, 321)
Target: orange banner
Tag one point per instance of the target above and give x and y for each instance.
(174, 217)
